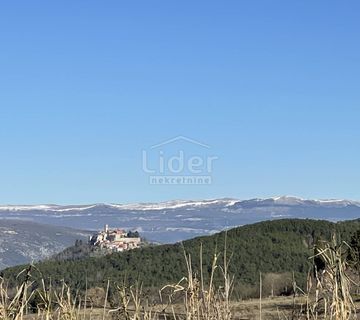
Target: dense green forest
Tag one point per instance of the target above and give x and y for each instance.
(273, 247)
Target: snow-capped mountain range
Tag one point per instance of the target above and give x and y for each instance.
(31, 232)
(182, 219)
(177, 204)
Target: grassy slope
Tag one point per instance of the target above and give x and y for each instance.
(272, 246)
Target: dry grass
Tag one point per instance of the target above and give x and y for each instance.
(327, 296)
(332, 289)
(203, 300)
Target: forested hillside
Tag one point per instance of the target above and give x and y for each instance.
(273, 247)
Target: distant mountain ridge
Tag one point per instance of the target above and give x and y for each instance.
(175, 204)
(25, 241)
(172, 221)
(295, 201)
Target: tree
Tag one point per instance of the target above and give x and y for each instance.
(354, 253)
(133, 234)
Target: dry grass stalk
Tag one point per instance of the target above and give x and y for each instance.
(66, 304)
(16, 307)
(131, 304)
(330, 297)
(200, 300)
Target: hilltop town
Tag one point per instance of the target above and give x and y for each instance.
(116, 240)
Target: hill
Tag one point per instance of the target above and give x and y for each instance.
(272, 247)
(25, 241)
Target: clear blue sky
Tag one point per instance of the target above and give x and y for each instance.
(271, 86)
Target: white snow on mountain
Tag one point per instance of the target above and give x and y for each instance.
(291, 200)
(56, 208)
(179, 204)
(176, 204)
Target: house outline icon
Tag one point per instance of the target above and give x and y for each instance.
(180, 138)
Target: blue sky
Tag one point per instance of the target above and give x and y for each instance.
(271, 86)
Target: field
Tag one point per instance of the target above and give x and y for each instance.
(329, 294)
(277, 308)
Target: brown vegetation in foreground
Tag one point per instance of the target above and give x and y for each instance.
(327, 296)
